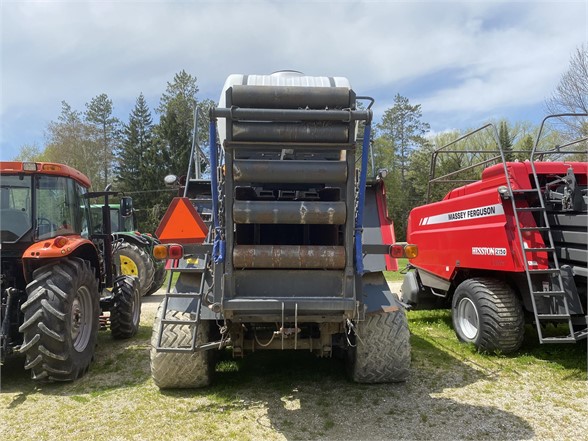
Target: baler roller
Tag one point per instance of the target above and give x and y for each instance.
(289, 212)
(289, 256)
(326, 172)
(279, 97)
(290, 132)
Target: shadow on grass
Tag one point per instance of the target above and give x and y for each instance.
(311, 398)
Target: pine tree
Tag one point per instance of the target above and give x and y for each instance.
(505, 141)
(175, 126)
(106, 131)
(402, 131)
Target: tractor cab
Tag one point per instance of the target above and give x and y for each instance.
(36, 207)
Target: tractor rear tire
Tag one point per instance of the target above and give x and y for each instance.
(487, 313)
(158, 278)
(180, 370)
(61, 320)
(382, 349)
(125, 314)
(134, 261)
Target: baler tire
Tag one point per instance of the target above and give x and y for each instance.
(125, 314)
(382, 349)
(134, 261)
(180, 370)
(158, 279)
(488, 313)
(61, 320)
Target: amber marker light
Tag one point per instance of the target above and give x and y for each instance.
(160, 252)
(60, 241)
(51, 167)
(411, 251)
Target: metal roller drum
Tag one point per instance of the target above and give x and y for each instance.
(327, 172)
(272, 97)
(291, 132)
(289, 212)
(289, 256)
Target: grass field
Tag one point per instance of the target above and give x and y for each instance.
(453, 393)
(397, 276)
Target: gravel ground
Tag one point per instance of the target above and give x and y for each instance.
(447, 397)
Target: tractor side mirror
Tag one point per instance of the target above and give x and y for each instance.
(126, 206)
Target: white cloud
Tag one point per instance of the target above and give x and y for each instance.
(458, 58)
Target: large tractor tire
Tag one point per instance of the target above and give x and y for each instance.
(125, 314)
(382, 349)
(180, 370)
(158, 278)
(487, 313)
(134, 261)
(61, 320)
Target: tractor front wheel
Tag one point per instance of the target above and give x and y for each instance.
(61, 320)
(487, 313)
(125, 314)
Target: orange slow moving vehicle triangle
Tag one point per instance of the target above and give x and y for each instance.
(181, 224)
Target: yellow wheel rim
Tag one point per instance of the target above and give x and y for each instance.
(128, 267)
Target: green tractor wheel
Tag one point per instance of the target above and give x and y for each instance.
(134, 261)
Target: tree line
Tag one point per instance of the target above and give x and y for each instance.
(135, 155)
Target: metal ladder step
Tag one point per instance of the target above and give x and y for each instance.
(549, 293)
(544, 271)
(562, 339)
(533, 250)
(530, 209)
(553, 316)
(523, 191)
(534, 229)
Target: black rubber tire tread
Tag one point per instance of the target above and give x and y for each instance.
(382, 351)
(125, 314)
(144, 263)
(501, 317)
(158, 278)
(174, 370)
(48, 344)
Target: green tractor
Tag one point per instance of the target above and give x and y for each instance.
(132, 250)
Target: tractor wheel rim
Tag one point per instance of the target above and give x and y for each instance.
(81, 319)
(136, 305)
(128, 266)
(468, 319)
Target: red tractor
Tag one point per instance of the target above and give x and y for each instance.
(506, 249)
(58, 275)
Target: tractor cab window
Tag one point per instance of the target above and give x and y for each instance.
(15, 206)
(60, 210)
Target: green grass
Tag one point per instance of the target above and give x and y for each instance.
(396, 276)
(453, 392)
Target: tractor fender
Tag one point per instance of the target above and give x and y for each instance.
(137, 239)
(51, 249)
(376, 295)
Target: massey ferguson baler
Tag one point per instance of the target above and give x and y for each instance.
(295, 237)
(506, 249)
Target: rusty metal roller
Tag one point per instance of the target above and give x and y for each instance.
(289, 256)
(289, 212)
(326, 172)
(291, 132)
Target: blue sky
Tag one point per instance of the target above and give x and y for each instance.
(465, 62)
